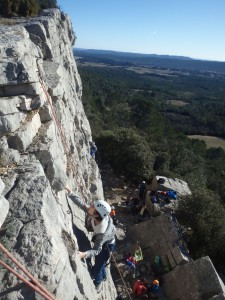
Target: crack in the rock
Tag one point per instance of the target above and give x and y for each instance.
(12, 188)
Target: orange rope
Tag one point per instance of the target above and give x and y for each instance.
(38, 288)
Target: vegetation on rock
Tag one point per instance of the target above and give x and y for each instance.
(25, 8)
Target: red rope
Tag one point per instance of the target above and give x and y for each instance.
(25, 281)
(38, 288)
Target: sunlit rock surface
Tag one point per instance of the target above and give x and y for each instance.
(44, 144)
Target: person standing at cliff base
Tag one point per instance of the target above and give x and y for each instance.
(103, 235)
(142, 190)
(113, 215)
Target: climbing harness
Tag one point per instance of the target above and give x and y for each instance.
(34, 284)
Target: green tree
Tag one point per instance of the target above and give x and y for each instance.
(16, 6)
(128, 153)
(215, 163)
(29, 8)
(24, 8)
(204, 213)
(6, 8)
(187, 165)
(48, 4)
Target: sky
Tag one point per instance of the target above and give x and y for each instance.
(193, 28)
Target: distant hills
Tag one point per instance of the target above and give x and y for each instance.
(148, 60)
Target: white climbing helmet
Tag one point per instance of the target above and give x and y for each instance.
(102, 207)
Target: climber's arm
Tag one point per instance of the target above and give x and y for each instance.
(76, 199)
(95, 250)
(98, 243)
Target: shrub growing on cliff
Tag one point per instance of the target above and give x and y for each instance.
(25, 8)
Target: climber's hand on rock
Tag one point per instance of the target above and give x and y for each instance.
(68, 189)
(81, 254)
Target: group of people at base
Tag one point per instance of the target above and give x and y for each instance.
(113, 215)
(142, 289)
(149, 202)
(146, 290)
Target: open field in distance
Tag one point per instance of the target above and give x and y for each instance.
(177, 102)
(211, 141)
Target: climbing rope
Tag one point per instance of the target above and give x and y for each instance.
(121, 276)
(67, 151)
(34, 284)
(63, 139)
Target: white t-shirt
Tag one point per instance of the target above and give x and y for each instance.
(101, 227)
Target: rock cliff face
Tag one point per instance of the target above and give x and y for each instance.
(44, 144)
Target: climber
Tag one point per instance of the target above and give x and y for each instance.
(113, 215)
(103, 235)
(139, 288)
(154, 288)
(131, 262)
(93, 149)
(142, 189)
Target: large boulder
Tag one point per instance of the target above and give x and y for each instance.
(195, 280)
(163, 183)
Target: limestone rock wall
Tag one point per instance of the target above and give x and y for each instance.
(44, 144)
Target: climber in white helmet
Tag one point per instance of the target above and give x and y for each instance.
(103, 235)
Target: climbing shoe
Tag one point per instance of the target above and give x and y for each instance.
(98, 287)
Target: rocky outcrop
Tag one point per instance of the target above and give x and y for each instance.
(182, 278)
(163, 183)
(44, 144)
(195, 280)
(161, 236)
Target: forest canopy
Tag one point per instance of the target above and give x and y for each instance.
(25, 8)
(141, 133)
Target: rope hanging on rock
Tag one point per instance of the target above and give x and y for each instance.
(124, 283)
(34, 284)
(63, 139)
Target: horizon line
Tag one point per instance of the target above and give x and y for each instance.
(170, 55)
